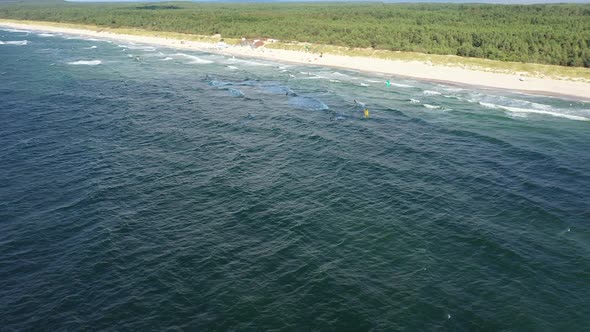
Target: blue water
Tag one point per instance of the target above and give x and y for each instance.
(144, 188)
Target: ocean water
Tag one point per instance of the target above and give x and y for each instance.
(144, 188)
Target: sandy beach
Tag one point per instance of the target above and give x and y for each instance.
(411, 69)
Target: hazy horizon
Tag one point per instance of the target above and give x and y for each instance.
(505, 2)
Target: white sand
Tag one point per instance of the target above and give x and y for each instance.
(413, 69)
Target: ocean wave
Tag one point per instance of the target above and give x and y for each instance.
(249, 62)
(138, 48)
(556, 114)
(308, 103)
(399, 85)
(45, 35)
(90, 48)
(195, 59)
(359, 105)
(85, 63)
(235, 92)
(335, 73)
(232, 67)
(450, 88)
(414, 101)
(142, 48)
(219, 84)
(431, 93)
(488, 105)
(432, 107)
(519, 111)
(166, 59)
(14, 30)
(200, 62)
(14, 42)
(278, 89)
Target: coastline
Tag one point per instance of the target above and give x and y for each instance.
(411, 69)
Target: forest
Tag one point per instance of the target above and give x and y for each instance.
(557, 34)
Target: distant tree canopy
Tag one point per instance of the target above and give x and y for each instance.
(549, 34)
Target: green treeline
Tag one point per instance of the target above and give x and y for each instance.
(549, 34)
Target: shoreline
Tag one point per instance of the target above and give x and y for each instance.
(417, 70)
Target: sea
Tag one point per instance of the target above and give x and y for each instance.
(147, 189)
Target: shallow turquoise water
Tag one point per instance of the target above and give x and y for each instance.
(145, 188)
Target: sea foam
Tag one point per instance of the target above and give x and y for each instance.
(14, 42)
(520, 110)
(195, 59)
(85, 63)
(431, 93)
(14, 30)
(399, 85)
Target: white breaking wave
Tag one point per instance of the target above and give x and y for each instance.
(142, 48)
(450, 89)
(414, 101)
(196, 59)
(14, 42)
(14, 30)
(432, 107)
(166, 59)
(399, 85)
(520, 110)
(138, 47)
(431, 93)
(488, 105)
(201, 62)
(85, 63)
(343, 75)
(232, 67)
(249, 62)
(90, 48)
(45, 35)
